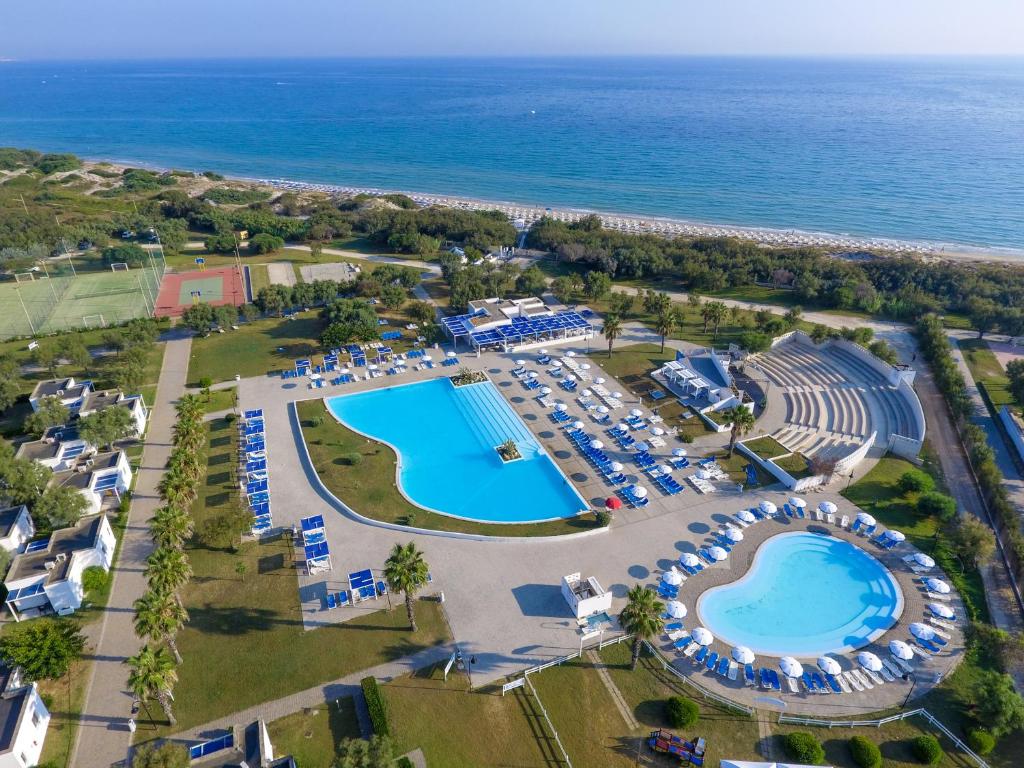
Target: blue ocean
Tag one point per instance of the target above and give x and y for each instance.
(928, 149)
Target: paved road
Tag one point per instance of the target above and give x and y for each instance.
(319, 694)
(103, 736)
(424, 265)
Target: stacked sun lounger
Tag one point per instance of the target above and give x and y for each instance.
(364, 587)
(669, 484)
(314, 545)
(253, 459)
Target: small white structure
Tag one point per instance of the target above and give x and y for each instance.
(585, 597)
(25, 720)
(99, 477)
(48, 574)
(700, 375)
(16, 528)
(68, 391)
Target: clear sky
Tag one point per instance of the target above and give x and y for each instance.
(105, 29)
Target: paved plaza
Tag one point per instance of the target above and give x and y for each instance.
(502, 596)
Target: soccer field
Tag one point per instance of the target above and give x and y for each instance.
(47, 305)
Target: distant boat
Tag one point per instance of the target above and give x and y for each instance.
(533, 111)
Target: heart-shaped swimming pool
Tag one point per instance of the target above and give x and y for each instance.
(804, 595)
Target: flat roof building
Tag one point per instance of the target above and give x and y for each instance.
(23, 721)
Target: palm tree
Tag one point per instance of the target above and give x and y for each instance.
(167, 570)
(742, 422)
(159, 616)
(641, 617)
(171, 527)
(405, 571)
(666, 322)
(612, 330)
(716, 311)
(153, 677)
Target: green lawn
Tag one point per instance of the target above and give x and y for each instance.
(219, 400)
(255, 349)
(259, 278)
(765, 447)
(245, 643)
(461, 728)
(988, 373)
(729, 734)
(735, 466)
(893, 739)
(369, 487)
(312, 735)
(632, 365)
(795, 464)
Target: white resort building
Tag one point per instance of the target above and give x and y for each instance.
(101, 478)
(699, 376)
(16, 528)
(47, 576)
(511, 324)
(585, 596)
(67, 390)
(24, 718)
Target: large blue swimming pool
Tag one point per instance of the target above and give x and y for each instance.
(446, 438)
(805, 595)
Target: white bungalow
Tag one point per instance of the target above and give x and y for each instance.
(700, 375)
(16, 528)
(48, 574)
(115, 398)
(67, 390)
(25, 720)
(59, 449)
(101, 477)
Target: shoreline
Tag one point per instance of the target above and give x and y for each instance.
(657, 225)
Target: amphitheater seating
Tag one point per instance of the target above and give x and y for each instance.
(833, 401)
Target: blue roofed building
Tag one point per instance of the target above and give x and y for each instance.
(513, 324)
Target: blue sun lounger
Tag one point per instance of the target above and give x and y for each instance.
(766, 681)
(748, 673)
(774, 679)
(788, 510)
(668, 591)
(820, 683)
(928, 645)
(723, 666)
(833, 683)
(674, 626)
(701, 655)
(712, 660)
(808, 682)
(682, 642)
(331, 601)
(856, 526)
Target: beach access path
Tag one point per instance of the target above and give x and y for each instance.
(375, 258)
(103, 737)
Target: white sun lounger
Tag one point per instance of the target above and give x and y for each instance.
(925, 654)
(902, 664)
(841, 679)
(937, 596)
(859, 674)
(936, 621)
(874, 676)
(830, 518)
(884, 672)
(734, 670)
(892, 669)
(853, 680)
(691, 649)
(791, 682)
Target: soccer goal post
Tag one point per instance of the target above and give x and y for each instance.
(24, 277)
(93, 321)
(119, 266)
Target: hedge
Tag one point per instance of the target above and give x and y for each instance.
(865, 752)
(927, 750)
(377, 706)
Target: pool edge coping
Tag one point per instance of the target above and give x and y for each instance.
(351, 513)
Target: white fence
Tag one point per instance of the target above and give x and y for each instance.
(792, 720)
(551, 726)
(696, 686)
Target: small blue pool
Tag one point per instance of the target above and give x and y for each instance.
(805, 595)
(446, 438)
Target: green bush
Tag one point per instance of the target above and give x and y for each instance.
(865, 752)
(377, 706)
(981, 741)
(916, 481)
(352, 459)
(94, 579)
(804, 748)
(206, 382)
(403, 762)
(927, 750)
(681, 712)
(935, 504)
(603, 517)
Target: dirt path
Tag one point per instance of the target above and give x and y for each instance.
(620, 702)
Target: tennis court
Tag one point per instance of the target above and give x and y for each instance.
(215, 286)
(62, 302)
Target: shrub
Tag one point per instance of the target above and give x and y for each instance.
(376, 705)
(94, 579)
(926, 749)
(352, 459)
(916, 481)
(865, 752)
(403, 762)
(206, 382)
(681, 712)
(981, 741)
(935, 504)
(264, 243)
(804, 748)
(316, 421)
(603, 517)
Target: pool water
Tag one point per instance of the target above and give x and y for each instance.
(804, 595)
(446, 437)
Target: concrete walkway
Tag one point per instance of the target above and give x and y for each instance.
(319, 694)
(103, 737)
(424, 265)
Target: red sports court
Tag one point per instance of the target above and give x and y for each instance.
(214, 286)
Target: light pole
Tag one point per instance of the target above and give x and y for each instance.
(913, 682)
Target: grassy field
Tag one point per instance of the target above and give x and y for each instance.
(632, 365)
(259, 278)
(255, 349)
(461, 728)
(795, 464)
(312, 735)
(370, 487)
(765, 447)
(245, 643)
(219, 400)
(988, 373)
